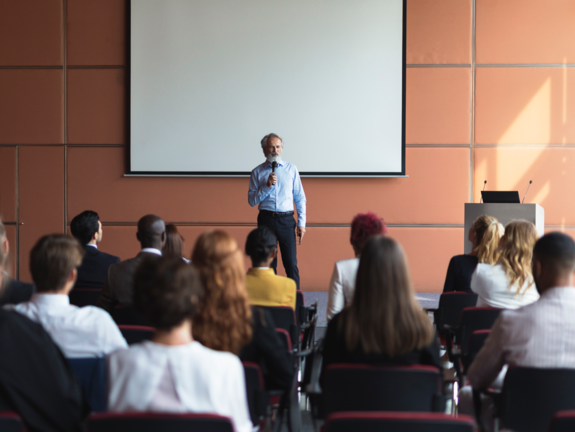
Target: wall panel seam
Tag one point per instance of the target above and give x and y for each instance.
(65, 116)
(472, 110)
(18, 213)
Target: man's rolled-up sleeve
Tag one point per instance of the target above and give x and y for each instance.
(256, 193)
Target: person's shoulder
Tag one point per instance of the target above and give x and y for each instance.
(216, 359)
(259, 167)
(112, 259)
(100, 315)
(285, 281)
(464, 258)
(351, 263)
(17, 325)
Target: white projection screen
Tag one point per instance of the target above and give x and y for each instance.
(210, 78)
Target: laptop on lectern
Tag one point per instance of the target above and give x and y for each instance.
(506, 197)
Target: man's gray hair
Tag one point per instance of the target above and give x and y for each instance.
(268, 137)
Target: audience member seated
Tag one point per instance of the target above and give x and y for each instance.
(118, 288)
(225, 321)
(384, 325)
(35, 379)
(342, 284)
(264, 287)
(484, 236)
(87, 229)
(537, 335)
(174, 243)
(11, 291)
(79, 332)
(173, 372)
(509, 283)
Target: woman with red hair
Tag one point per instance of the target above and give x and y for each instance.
(363, 227)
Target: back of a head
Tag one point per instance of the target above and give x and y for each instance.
(223, 321)
(363, 227)
(166, 291)
(556, 253)
(174, 241)
(260, 243)
(488, 232)
(384, 316)
(52, 259)
(517, 252)
(151, 231)
(84, 226)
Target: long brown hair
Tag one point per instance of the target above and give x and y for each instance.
(517, 252)
(223, 320)
(174, 242)
(488, 232)
(384, 316)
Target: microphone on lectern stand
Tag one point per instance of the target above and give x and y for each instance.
(530, 181)
(274, 165)
(484, 183)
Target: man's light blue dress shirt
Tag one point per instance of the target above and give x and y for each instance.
(281, 196)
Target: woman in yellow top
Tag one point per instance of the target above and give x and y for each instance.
(264, 287)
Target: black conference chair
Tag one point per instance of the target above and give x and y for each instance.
(92, 377)
(136, 334)
(531, 397)
(284, 317)
(451, 304)
(476, 342)
(124, 315)
(11, 422)
(258, 398)
(563, 421)
(397, 422)
(150, 422)
(358, 387)
(84, 296)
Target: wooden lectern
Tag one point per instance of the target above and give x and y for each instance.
(504, 213)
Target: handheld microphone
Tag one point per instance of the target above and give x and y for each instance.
(484, 183)
(530, 181)
(274, 165)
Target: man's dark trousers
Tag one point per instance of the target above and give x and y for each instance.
(284, 229)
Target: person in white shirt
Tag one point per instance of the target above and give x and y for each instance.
(342, 284)
(509, 283)
(79, 332)
(542, 334)
(173, 372)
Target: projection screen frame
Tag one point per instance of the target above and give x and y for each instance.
(230, 174)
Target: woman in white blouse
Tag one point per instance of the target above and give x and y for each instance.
(172, 372)
(509, 283)
(342, 285)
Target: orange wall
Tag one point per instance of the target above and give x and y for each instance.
(488, 98)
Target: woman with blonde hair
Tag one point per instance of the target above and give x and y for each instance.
(384, 324)
(225, 321)
(484, 236)
(509, 283)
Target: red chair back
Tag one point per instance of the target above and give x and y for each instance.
(472, 319)
(150, 422)
(11, 422)
(397, 422)
(563, 421)
(358, 387)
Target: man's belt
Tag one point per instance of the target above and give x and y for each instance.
(277, 214)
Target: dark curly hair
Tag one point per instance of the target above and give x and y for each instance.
(166, 291)
(363, 227)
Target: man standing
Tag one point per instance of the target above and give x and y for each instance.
(275, 185)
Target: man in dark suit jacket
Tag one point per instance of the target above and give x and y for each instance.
(118, 288)
(87, 229)
(11, 291)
